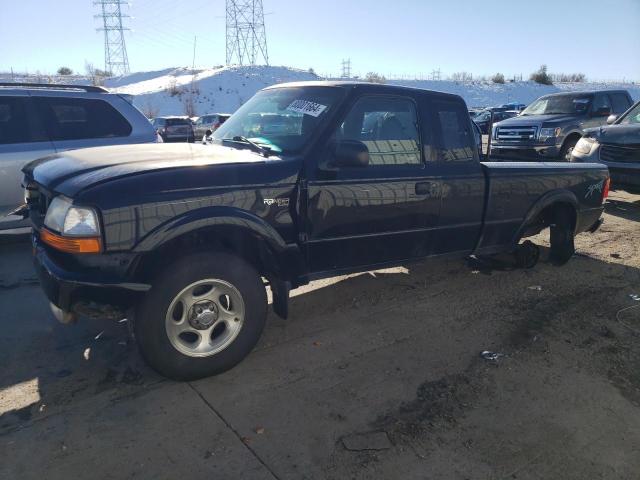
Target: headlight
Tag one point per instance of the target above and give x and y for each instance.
(63, 217)
(584, 145)
(70, 228)
(546, 133)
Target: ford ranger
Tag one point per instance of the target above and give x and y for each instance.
(549, 128)
(182, 239)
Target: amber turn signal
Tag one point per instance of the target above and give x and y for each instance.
(71, 244)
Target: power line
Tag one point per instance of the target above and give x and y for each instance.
(245, 32)
(116, 61)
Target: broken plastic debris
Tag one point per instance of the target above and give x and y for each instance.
(535, 287)
(491, 356)
(634, 296)
(367, 441)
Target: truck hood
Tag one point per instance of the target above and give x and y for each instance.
(618, 134)
(539, 120)
(75, 170)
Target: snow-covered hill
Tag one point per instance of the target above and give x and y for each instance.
(224, 89)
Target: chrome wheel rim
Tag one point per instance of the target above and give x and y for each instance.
(205, 318)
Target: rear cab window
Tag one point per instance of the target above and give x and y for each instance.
(455, 142)
(71, 118)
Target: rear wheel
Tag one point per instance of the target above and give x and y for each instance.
(203, 315)
(561, 237)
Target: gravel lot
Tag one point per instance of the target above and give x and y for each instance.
(377, 375)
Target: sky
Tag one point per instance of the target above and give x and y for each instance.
(600, 38)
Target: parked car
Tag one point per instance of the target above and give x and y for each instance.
(550, 127)
(38, 120)
(517, 107)
(181, 236)
(617, 145)
(483, 120)
(209, 122)
(174, 129)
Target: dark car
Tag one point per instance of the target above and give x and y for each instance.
(483, 120)
(617, 146)
(304, 181)
(550, 127)
(174, 129)
(517, 107)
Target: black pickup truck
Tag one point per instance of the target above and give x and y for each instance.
(549, 128)
(183, 238)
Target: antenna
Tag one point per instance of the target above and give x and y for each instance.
(246, 36)
(116, 61)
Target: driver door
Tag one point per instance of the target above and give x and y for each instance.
(382, 211)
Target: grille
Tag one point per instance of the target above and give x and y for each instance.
(618, 153)
(516, 134)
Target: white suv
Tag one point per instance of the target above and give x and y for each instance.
(38, 120)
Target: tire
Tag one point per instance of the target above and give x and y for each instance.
(561, 237)
(567, 149)
(220, 327)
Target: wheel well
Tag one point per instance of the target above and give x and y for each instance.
(242, 243)
(574, 136)
(546, 217)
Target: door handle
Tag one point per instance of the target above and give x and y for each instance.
(425, 188)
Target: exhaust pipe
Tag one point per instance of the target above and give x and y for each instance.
(63, 316)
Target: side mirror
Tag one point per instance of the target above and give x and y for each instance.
(611, 119)
(602, 112)
(208, 133)
(350, 153)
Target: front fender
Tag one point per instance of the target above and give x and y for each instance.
(548, 199)
(209, 217)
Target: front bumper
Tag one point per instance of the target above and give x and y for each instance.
(91, 294)
(530, 152)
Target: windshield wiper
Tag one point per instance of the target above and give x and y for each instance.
(266, 151)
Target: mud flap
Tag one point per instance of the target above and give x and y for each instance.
(280, 291)
(561, 238)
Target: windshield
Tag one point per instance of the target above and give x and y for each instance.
(282, 119)
(560, 104)
(633, 117)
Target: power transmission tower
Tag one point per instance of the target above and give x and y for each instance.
(116, 61)
(346, 68)
(246, 36)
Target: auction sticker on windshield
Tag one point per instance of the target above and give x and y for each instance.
(306, 107)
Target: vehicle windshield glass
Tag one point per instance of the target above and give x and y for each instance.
(633, 117)
(282, 119)
(561, 104)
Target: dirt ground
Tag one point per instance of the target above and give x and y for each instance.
(378, 375)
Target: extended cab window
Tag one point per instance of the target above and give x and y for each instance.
(81, 118)
(456, 140)
(387, 126)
